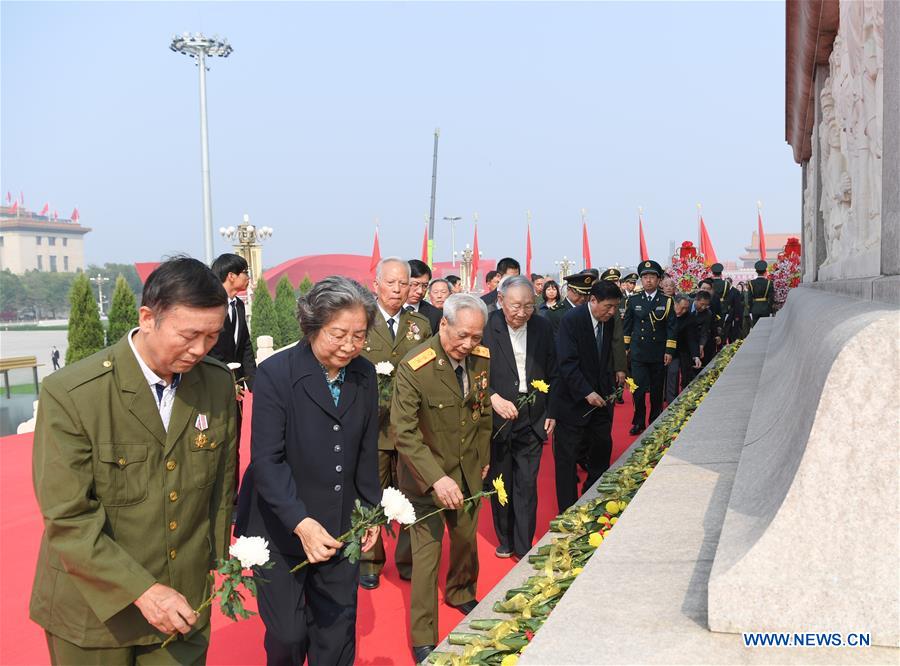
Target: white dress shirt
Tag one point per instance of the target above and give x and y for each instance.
(519, 339)
(465, 377)
(168, 396)
(232, 313)
(395, 317)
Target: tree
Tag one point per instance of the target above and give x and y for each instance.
(305, 285)
(85, 329)
(286, 311)
(263, 318)
(12, 292)
(123, 312)
(47, 292)
(112, 270)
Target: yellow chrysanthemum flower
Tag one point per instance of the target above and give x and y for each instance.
(612, 507)
(604, 520)
(510, 660)
(632, 386)
(577, 570)
(501, 490)
(540, 385)
(595, 539)
(622, 505)
(613, 520)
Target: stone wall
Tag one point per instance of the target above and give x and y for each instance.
(851, 182)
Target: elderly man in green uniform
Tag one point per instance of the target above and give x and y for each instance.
(133, 470)
(650, 339)
(578, 288)
(761, 294)
(393, 334)
(441, 413)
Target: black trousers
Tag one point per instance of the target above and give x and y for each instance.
(650, 376)
(596, 435)
(310, 614)
(518, 459)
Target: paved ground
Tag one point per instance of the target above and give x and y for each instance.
(32, 343)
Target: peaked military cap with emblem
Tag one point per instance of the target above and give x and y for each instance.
(611, 274)
(580, 282)
(650, 266)
(761, 265)
(631, 277)
(715, 269)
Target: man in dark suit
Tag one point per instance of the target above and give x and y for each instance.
(686, 362)
(705, 327)
(522, 351)
(506, 267)
(233, 345)
(649, 327)
(419, 277)
(591, 363)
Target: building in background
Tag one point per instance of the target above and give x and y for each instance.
(29, 241)
(774, 245)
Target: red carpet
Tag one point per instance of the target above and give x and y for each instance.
(383, 624)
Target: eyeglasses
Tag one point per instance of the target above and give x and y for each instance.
(517, 308)
(355, 339)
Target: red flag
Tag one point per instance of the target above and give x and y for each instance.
(8, 197)
(425, 246)
(474, 275)
(45, 209)
(22, 198)
(55, 215)
(585, 247)
(75, 216)
(376, 253)
(762, 236)
(644, 254)
(706, 247)
(528, 254)
(15, 206)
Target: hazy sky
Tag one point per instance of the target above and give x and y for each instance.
(323, 118)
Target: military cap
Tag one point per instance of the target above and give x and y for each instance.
(580, 282)
(716, 268)
(760, 265)
(650, 266)
(611, 274)
(631, 277)
(592, 271)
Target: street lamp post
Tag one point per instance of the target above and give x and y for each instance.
(199, 48)
(99, 280)
(453, 220)
(247, 242)
(565, 267)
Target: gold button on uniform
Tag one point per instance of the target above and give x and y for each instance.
(173, 525)
(122, 462)
(213, 445)
(107, 364)
(173, 496)
(171, 465)
(173, 554)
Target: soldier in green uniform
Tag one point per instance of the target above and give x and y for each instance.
(761, 294)
(441, 414)
(393, 334)
(628, 284)
(650, 338)
(133, 470)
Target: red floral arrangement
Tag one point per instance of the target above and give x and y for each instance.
(785, 272)
(688, 267)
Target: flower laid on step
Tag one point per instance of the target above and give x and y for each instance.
(580, 530)
(499, 490)
(537, 386)
(394, 506)
(245, 553)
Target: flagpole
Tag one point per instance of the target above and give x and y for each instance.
(699, 231)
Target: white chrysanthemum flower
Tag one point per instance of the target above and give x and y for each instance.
(234, 366)
(251, 551)
(397, 507)
(384, 368)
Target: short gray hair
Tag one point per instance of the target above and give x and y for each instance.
(513, 281)
(391, 260)
(328, 297)
(681, 297)
(457, 302)
(440, 281)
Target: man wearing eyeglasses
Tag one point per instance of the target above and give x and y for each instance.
(394, 333)
(522, 351)
(234, 344)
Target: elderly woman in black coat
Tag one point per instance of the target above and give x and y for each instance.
(313, 454)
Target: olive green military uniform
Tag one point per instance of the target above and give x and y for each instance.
(761, 294)
(411, 330)
(127, 504)
(441, 433)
